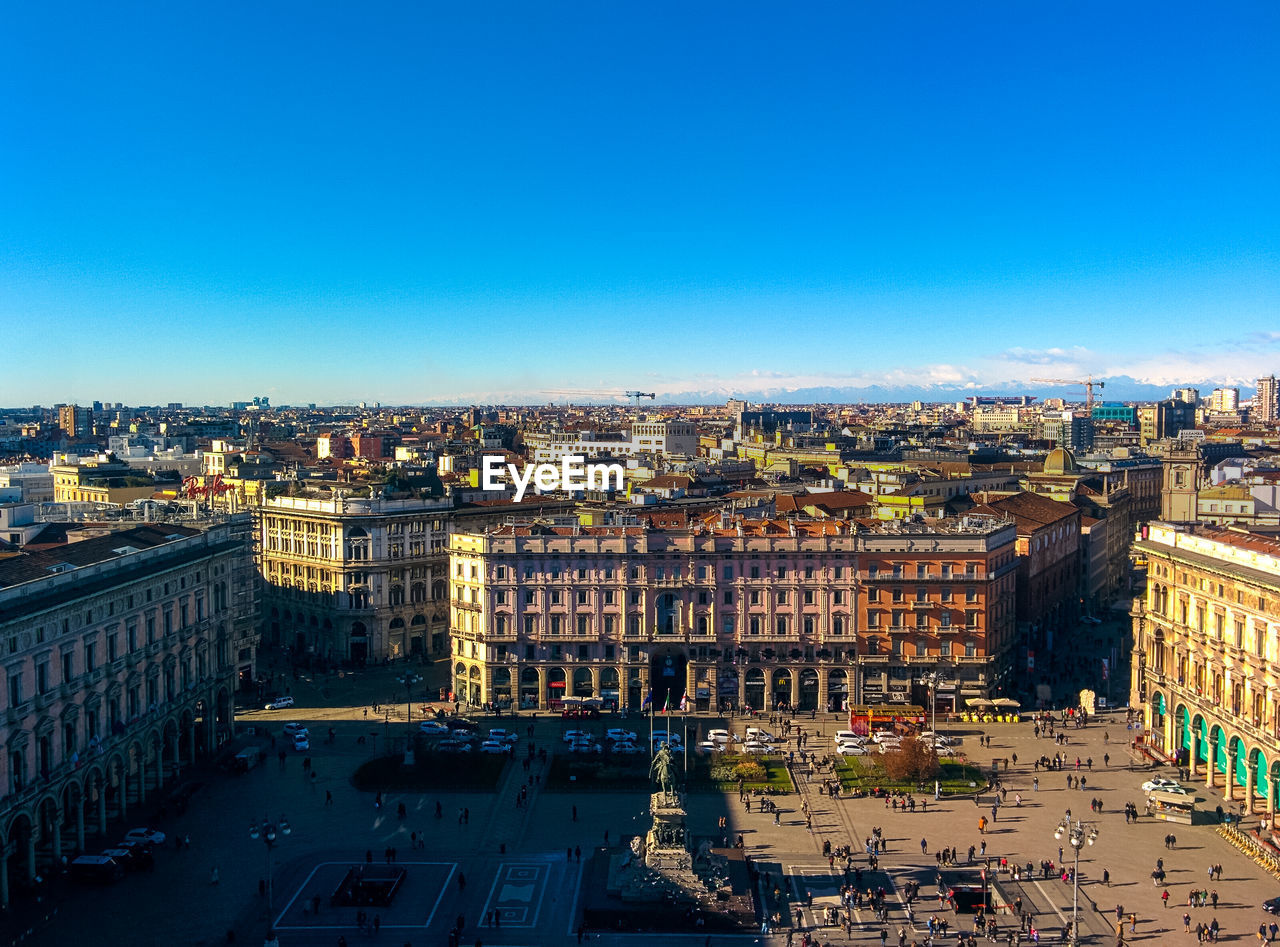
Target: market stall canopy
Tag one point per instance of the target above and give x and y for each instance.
(1006, 703)
(979, 702)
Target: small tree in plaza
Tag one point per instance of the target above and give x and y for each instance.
(914, 761)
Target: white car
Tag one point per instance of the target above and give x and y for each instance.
(755, 733)
(719, 736)
(295, 729)
(571, 735)
(621, 736)
(708, 746)
(302, 742)
(453, 746)
(882, 736)
(757, 746)
(848, 736)
(280, 703)
(851, 749)
(661, 736)
(432, 728)
(493, 746)
(629, 749)
(153, 836)
(1175, 789)
(1162, 784)
(507, 737)
(586, 746)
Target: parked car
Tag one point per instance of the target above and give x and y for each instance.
(571, 735)
(432, 728)
(143, 852)
(585, 746)
(849, 736)
(1162, 784)
(621, 736)
(293, 729)
(755, 733)
(851, 749)
(708, 746)
(628, 749)
(453, 746)
(96, 869)
(154, 836)
(493, 746)
(758, 746)
(666, 737)
(507, 737)
(719, 736)
(880, 736)
(280, 703)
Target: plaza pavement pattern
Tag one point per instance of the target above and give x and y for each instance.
(518, 862)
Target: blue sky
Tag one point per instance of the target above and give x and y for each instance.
(427, 202)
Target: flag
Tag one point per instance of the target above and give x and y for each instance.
(648, 699)
(684, 702)
(1106, 668)
(666, 704)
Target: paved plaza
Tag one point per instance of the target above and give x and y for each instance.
(513, 874)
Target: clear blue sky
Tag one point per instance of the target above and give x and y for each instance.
(419, 201)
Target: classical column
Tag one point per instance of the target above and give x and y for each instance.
(823, 696)
(57, 839)
(191, 743)
(102, 806)
(4, 875)
(1248, 787)
(124, 792)
(142, 778)
(31, 856)
(795, 688)
(542, 688)
(1213, 761)
(173, 753)
(1194, 757)
(80, 824)
(742, 689)
(595, 682)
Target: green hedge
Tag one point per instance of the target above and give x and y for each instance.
(867, 772)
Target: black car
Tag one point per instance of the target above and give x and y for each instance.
(1271, 905)
(143, 853)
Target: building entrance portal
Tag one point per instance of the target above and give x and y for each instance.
(667, 679)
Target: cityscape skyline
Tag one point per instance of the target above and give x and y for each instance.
(843, 201)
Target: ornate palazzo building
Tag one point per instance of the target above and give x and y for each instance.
(744, 613)
(121, 655)
(1206, 664)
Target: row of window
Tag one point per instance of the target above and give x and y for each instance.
(728, 572)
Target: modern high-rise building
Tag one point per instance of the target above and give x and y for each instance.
(761, 614)
(1206, 660)
(1224, 400)
(1266, 403)
(75, 421)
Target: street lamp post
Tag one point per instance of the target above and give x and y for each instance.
(1078, 832)
(269, 832)
(408, 680)
(933, 679)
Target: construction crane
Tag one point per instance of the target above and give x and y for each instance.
(602, 393)
(1088, 383)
